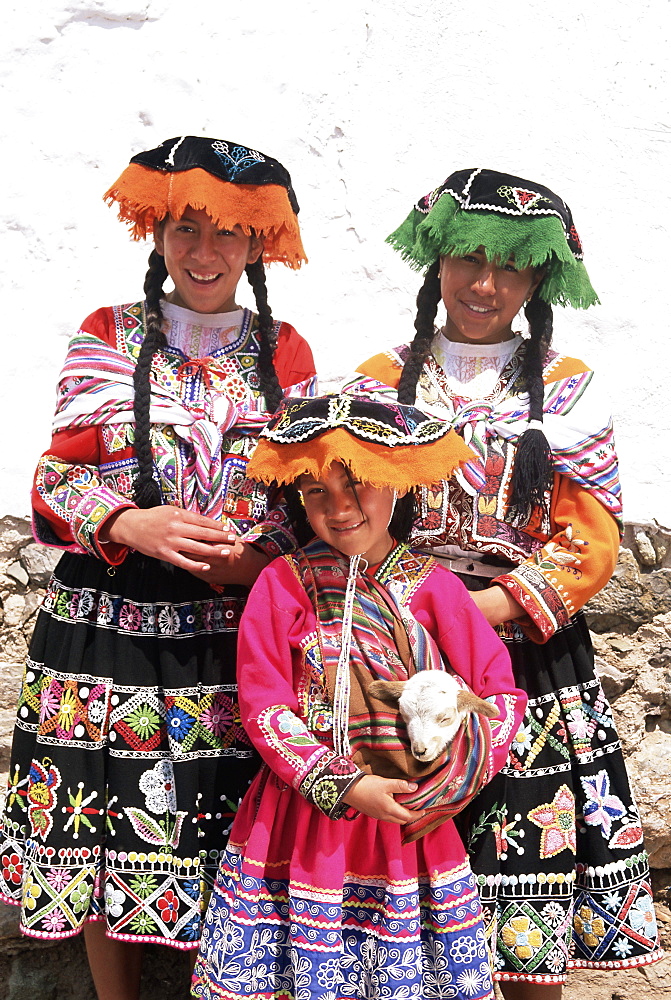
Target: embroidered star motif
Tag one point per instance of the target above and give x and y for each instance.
(557, 821)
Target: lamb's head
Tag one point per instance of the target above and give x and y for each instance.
(433, 706)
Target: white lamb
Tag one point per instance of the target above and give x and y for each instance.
(433, 706)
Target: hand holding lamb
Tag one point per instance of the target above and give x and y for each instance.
(433, 706)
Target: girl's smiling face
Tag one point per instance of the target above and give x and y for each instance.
(204, 261)
(483, 297)
(349, 515)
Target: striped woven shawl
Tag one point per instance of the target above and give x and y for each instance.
(377, 733)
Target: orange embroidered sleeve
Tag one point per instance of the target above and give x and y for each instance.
(571, 567)
(385, 368)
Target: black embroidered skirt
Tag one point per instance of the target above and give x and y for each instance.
(128, 760)
(555, 839)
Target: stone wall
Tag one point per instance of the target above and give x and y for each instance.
(631, 624)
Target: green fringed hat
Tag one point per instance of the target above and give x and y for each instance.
(509, 217)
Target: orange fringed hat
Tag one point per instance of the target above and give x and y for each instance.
(384, 444)
(235, 185)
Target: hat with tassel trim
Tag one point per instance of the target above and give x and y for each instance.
(235, 185)
(510, 218)
(383, 444)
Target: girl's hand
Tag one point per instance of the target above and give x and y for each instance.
(239, 563)
(181, 537)
(374, 796)
(497, 605)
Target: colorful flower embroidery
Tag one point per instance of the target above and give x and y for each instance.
(588, 926)
(601, 807)
(622, 947)
(54, 921)
(12, 869)
(557, 821)
(58, 878)
(519, 935)
(465, 949)
(79, 897)
(114, 900)
(325, 794)
(219, 718)
(142, 923)
(553, 913)
(144, 885)
(31, 893)
(144, 721)
(67, 711)
(523, 740)
(50, 698)
(642, 917)
(578, 724)
(130, 618)
(287, 722)
(470, 982)
(179, 723)
(168, 904)
(158, 785)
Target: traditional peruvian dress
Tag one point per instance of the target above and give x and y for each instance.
(555, 840)
(313, 899)
(129, 759)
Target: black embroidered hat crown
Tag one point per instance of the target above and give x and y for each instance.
(510, 218)
(234, 184)
(383, 443)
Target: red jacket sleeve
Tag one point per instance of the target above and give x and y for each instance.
(70, 502)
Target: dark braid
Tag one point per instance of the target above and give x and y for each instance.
(147, 492)
(405, 514)
(297, 515)
(427, 307)
(268, 380)
(533, 460)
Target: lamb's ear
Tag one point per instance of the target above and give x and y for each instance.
(469, 702)
(388, 691)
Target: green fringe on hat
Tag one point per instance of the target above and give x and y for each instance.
(535, 240)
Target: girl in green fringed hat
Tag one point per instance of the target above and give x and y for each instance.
(532, 525)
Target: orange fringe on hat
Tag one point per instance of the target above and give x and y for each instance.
(146, 196)
(400, 468)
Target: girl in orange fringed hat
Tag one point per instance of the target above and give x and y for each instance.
(129, 758)
(344, 875)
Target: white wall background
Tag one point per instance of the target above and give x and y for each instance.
(369, 105)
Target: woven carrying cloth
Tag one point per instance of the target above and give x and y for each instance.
(508, 217)
(384, 444)
(377, 732)
(235, 185)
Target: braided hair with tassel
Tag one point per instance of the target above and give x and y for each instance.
(147, 492)
(533, 459)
